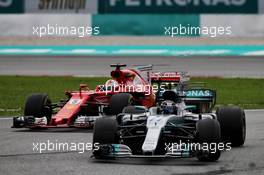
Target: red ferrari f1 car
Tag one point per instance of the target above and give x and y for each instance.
(81, 108)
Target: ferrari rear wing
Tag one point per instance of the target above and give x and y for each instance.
(169, 77)
(145, 68)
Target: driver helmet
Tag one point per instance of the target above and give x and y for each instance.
(168, 107)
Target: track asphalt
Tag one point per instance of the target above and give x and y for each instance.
(18, 157)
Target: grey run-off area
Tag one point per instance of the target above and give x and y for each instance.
(99, 66)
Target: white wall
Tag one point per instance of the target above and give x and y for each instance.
(241, 25)
(22, 25)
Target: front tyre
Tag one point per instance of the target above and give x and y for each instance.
(105, 132)
(208, 132)
(38, 105)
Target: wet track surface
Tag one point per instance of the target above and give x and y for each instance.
(99, 66)
(17, 155)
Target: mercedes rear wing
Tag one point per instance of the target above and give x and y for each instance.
(203, 99)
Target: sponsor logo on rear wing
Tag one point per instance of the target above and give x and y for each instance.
(200, 94)
(169, 77)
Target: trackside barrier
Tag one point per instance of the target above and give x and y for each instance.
(133, 7)
(177, 6)
(241, 18)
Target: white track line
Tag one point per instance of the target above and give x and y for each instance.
(9, 118)
(254, 110)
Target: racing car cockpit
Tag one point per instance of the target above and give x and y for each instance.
(122, 78)
(168, 107)
(111, 84)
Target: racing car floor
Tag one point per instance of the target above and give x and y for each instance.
(19, 154)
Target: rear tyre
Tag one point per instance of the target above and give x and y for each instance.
(208, 132)
(38, 105)
(118, 102)
(233, 124)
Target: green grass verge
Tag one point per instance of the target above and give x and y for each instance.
(247, 93)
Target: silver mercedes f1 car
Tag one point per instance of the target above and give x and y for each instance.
(181, 125)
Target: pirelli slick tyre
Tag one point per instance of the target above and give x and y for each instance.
(38, 105)
(118, 102)
(233, 124)
(105, 132)
(208, 132)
